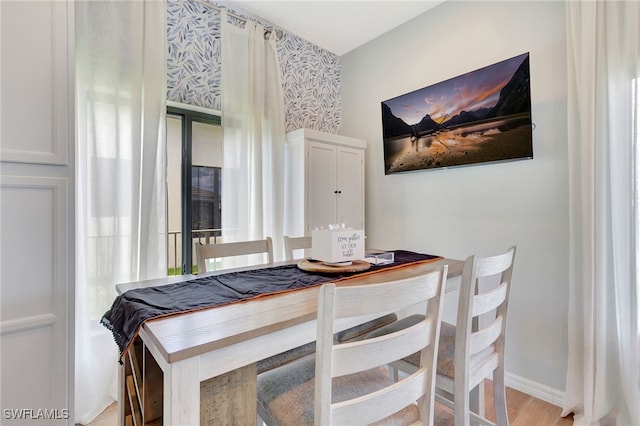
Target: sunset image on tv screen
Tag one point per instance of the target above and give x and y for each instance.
(479, 117)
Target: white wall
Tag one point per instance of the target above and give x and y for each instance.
(479, 209)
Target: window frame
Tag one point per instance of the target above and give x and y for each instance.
(188, 117)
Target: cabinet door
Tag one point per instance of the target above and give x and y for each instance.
(36, 213)
(350, 185)
(321, 178)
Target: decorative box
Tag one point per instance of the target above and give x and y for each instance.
(380, 258)
(337, 246)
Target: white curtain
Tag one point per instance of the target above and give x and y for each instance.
(253, 127)
(120, 177)
(603, 376)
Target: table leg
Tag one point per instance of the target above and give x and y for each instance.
(121, 395)
(230, 398)
(181, 404)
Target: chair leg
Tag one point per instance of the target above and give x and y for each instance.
(461, 406)
(468, 407)
(262, 417)
(476, 402)
(500, 398)
(393, 372)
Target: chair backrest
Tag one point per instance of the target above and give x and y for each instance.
(295, 243)
(215, 251)
(340, 359)
(482, 315)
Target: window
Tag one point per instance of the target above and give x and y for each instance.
(194, 169)
(206, 189)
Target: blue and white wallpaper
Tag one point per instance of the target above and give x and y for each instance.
(310, 74)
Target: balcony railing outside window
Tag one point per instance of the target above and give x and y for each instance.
(174, 248)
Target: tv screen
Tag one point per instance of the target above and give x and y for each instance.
(483, 116)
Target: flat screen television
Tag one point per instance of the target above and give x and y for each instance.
(483, 116)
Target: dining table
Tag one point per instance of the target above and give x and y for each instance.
(199, 366)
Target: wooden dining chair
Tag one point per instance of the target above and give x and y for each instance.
(475, 347)
(239, 248)
(295, 243)
(346, 383)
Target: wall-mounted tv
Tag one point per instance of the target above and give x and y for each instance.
(483, 116)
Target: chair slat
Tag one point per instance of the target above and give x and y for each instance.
(487, 266)
(380, 404)
(365, 354)
(486, 302)
(485, 369)
(295, 243)
(238, 248)
(483, 338)
(378, 298)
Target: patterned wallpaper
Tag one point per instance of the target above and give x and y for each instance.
(310, 74)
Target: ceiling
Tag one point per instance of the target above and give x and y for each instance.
(337, 26)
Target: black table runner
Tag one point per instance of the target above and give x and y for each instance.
(132, 308)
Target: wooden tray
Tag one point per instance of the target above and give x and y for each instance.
(318, 266)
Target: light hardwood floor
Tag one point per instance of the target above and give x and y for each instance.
(524, 410)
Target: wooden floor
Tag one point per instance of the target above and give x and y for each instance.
(524, 410)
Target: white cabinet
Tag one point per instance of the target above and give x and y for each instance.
(324, 181)
(37, 212)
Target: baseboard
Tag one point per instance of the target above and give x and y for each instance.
(535, 389)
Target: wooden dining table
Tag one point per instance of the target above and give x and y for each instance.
(200, 367)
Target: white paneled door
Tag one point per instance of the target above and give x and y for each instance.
(36, 213)
(350, 184)
(323, 189)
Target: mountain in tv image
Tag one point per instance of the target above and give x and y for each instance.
(479, 117)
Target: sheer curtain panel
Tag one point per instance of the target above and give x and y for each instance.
(253, 127)
(603, 377)
(121, 194)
